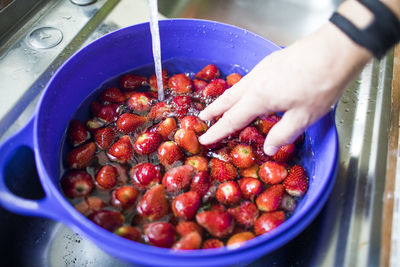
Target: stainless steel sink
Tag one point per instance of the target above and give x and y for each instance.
(348, 230)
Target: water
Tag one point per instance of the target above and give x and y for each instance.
(155, 37)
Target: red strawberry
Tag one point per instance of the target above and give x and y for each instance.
(218, 207)
(108, 113)
(239, 239)
(113, 95)
(222, 171)
(95, 108)
(180, 84)
(212, 243)
(186, 227)
(139, 102)
(233, 78)
(272, 172)
(166, 128)
(129, 232)
(132, 81)
(121, 150)
(228, 193)
(194, 123)
(104, 137)
(251, 171)
(221, 154)
(82, 156)
(147, 143)
(160, 234)
(201, 183)
(288, 203)
(199, 85)
(90, 205)
(271, 198)
(186, 205)
(268, 221)
(266, 123)
(260, 156)
(296, 183)
(76, 184)
(189, 241)
(94, 124)
(250, 187)
(109, 220)
(153, 205)
(181, 105)
(178, 178)
(106, 177)
(153, 81)
(218, 223)
(215, 88)
(285, 153)
(245, 214)
(187, 139)
(124, 197)
(251, 135)
(128, 122)
(145, 175)
(208, 73)
(153, 95)
(77, 133)
(168, 153)
(242, 156)
(159, 111)
(200, 163)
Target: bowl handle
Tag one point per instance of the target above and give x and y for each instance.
(43, 207)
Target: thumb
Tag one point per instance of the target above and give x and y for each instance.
(292, 125)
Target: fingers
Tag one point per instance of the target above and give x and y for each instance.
(292, 124)
(241, 114)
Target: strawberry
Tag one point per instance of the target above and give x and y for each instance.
(113, 95)
(180, 84)
(166, 128)
(186, 227)
(251, 171)
(81, 157)
(222, 171)
(194, 123)
(104, 137)
(200, 163)
(251, 135)
(268, 221)
(271, 198)
(90, 205)
(266, 123)
(238, 240)
(159, 111)
(215, 88)
(181, 105)
(208, 73)
(272, 172)
(145, 175)
(121, 150)
(218, 223)
(228, 193)
(201, 183)
(260, 156)
(218, 207)
(296, 183)
(147, 143)
(129, 232)
(168, 153)
(77, 133)
(186, 205)
(76, 184)
(245, 214)
(199, 85)
(109, 220)
(132, 81)
(190, 241)
(250, 187)
(153, 80)
(139, 102)
(94, 124)
(242, 156)
(221, 154)
(233, 78)
(153, 205)
(106, 177)
(128, 122)
(285, 153)
(178, 178)
(124, 197)
(187, 139)
(288, 203)
(212, 243)
(108, 113)
(160, 234)
(95, 108)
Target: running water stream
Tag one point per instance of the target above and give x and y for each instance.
(155, 37)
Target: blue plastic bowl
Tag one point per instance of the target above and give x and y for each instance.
(127, 49)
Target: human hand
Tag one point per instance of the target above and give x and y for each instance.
(303, 80)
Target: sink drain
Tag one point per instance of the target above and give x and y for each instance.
(45, 37)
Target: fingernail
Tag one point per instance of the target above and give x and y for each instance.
(270, 150)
